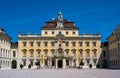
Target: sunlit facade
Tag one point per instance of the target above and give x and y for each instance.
(5, 54)
(59, 46)
(114, 48)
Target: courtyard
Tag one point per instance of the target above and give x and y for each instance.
(59, 73)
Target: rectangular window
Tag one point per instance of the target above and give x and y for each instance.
(45, 44)
(24, 62)
(73, 32)
(24, 44)
(45, 32)
(59, 32)
(38, 44)
(66, 32)
(80, 44)
(87, 44)
(67, 44)
(52, 44)
(52, 32)
(14, 54)
(38, 54)
(31, 44)
(94, 44)
(73, 44)
(24, 53)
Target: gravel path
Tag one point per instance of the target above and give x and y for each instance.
(59, 73)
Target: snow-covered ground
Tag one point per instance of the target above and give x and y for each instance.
(59, 73)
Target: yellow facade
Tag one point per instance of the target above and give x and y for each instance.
(114, 48)
(63, 39)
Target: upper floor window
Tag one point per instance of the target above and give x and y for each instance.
(94, 44)
(87, 44)
(66, 32)
(59, 32)
(87, 53)
(81, 52)
(80, 44)
(74, 52)
(73, 32)
(46, 32)
(46, 53)
(31, 52)
(94, 52)
(24, 44)
(52, 44)
(24, 52)
(67, 44)
(31, 44)
(38, 44)
(38, 52)
(73, 44)
(14, 53)
(45, 44)
(52, 32)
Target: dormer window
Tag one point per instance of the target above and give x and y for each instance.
(45, 32)
(59, 32)
(73, 32)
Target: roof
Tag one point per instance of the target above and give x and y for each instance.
(14, 45)
(53, 24)
(104, 44)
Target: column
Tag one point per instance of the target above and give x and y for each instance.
(56, 64)
(64, 63)
(77, 63)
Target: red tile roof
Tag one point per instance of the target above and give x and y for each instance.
(53, 24)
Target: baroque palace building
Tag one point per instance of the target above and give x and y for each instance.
(5, 45)
(59, 46)
(114, 48)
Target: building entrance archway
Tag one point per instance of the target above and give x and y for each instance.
(14, 64)
(60, 63)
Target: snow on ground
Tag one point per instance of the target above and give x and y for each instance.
(59, 73)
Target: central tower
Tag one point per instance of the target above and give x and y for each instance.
(60, 21)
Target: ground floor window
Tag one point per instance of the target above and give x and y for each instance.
(94, 61)
(31, 62)
(24, 62)
(67, 62)
(88, 62)
(46, 62)
(53, 63)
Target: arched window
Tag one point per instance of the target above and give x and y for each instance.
(67, 52)
(24, 52)
(45, 52)
(81, 52)
(31, 52)
(74, 52)
(94, 52)
(87, 52)
(52, 52)
(38, 52)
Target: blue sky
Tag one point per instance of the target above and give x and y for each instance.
(31, 15)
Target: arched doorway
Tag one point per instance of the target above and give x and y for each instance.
(14, 64)
(60, 64)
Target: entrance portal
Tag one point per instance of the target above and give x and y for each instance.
(60, 63)
(14, 64)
